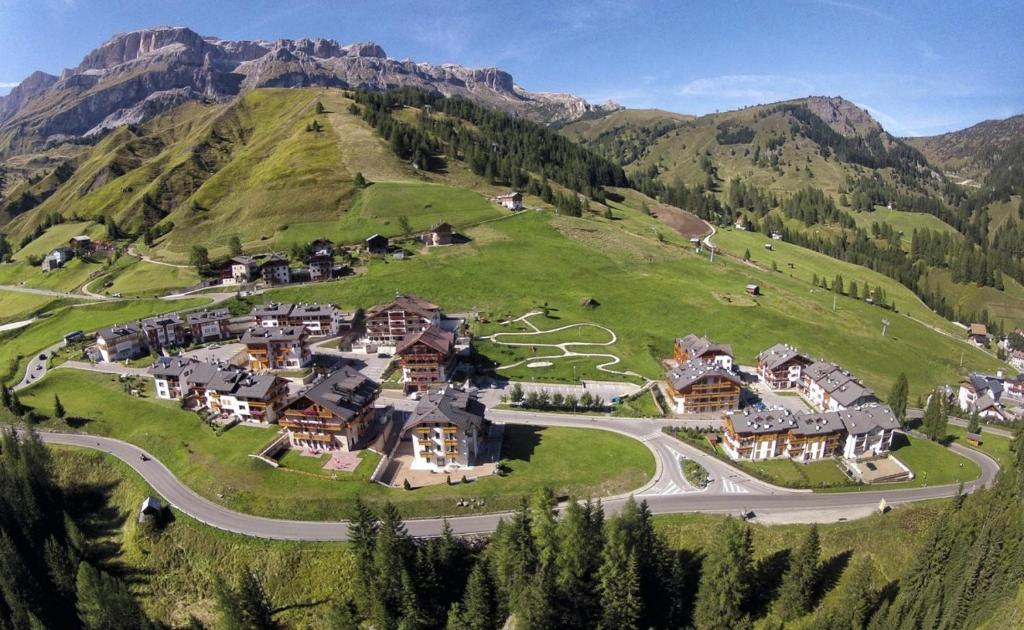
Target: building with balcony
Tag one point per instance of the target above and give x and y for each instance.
(120, 342)
(334, 414)
(275, 270)
(831, 388)
(165, 331)
(209, 325)
(695, 347)
(225, 390)
(426, 358)
(782, 366)
(699, 386)
(387, 324)
(446, 430)
(277, 348)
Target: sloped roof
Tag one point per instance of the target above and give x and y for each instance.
(117, 330)
(696, 370)
(208, 316)
(449, 405)
(432, 336)
(409, 303)
(779, 355)
(260, 335)
(344, 392)
(979, 329)
(868, 419)
(172, 367)
(697, 346)
(272, 309)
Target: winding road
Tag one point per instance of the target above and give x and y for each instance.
(730, 491)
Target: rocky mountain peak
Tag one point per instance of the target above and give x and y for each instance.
(845, 117)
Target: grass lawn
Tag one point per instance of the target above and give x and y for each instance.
(649, 293)
(58, 236)
(932, 464)
(17, 344)
(218, 467)
(148, 279)
(294, 460)
(642, 406)
(906, 222)
(72, 275)
(16, 306)
(995, 446)
(1005, 307)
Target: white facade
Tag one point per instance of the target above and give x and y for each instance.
(876, 442)
(431, 445)
(277, 274)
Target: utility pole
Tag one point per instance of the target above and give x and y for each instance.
(885, 324)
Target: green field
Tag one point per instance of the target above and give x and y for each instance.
(1004, 307)
(786, 472)
(72, 275)
(58, 236)
(17, 344)
(16, 306)
(218, 466)
(901, 221)
(995, 446)
(379, 206)
(141, 278)
(932, 464)
(649, 294)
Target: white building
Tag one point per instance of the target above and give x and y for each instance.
(242, 269)
(510, 200)
(120, 342)
(446, 430)
(222, 389)
(983, 393)
(830, 388)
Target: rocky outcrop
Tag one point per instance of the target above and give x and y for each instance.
(139, 74)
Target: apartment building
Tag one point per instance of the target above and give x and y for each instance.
(165, 331)
(699, 386)
(697, 347)
(387, 324)
(209, 325)
(277, 348)
(426, 358)
(120, 342)
(334, 414)
(782, 366)
(831, 388)
(445, 430)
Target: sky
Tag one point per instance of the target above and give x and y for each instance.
(920, 67)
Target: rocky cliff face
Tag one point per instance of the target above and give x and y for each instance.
(136, 75)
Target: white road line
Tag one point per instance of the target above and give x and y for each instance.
(733, 488)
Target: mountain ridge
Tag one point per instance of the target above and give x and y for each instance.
(135, 75)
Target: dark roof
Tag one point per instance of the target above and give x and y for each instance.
(200, 317)
(344, 392)
(448, 405)
(313, 310)
(779, 355)
(272, 309)
(242, 383)
(150, 505)
(260, 335)
(242, 260)
(160, 321)
(696, 347)
(868, 419)
(117, 330)
(986, 384)
(274, 260)
(172, 367)
(696, 370)
(376, 237)
(432, 336)
(859, 421)
(409, 303)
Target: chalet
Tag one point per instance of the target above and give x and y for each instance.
(854, 434)
(978, 334)
(209, 325)
(387, 324)
(277, 348)
(240, 269)
(56, 259)
(446, 430)
(426, 358)
(510, 200)
(165, 331)
(274, 270)
(272, 314)
(782, 366)
(1015, 386)
(700, 386)
(377, 245)
(440, 234)
(170, 374)
(333, 414)
(225, 390)
(983, 393)
(320, 267)
(695, 347)
(80, 244)
(830, 388)
(120, 341)
(321, 247)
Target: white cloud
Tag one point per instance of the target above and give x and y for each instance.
(751, 88)
(5, 85)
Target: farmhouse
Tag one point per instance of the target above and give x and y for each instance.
(426, 358)
(333, 414)
(782, 366)
(209, 325)
(855, 434)
(983, 393)
(320, 267)
(277, 348)
(240, 269)
(693, 347)
(120, 341)
(387, 324)
(446, 430)
(274, 270)
(753, 289)
(165, 331)
(80, 244)
(830, 388)
(56, 259)
(510, 200)
(699, 386)
(978, 334)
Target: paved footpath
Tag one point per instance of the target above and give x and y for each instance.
(731, 491)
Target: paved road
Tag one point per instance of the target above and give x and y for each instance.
(721, 497)
(49, 293)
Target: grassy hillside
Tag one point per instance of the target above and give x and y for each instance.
(968, 153)
(1004, 307)
(905, 222)
(651, 292)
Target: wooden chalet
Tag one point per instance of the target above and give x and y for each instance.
(332, 415)
(426, 358)
(699, 386)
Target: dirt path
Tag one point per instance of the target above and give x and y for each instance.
(562, 347)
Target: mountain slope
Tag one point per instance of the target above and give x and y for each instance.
(971, 152)
(136, 75)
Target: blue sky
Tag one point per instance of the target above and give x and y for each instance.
(919, 67)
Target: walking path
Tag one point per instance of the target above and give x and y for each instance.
(563, 347)
(50, 293)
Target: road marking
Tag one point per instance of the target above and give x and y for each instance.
(733, 488)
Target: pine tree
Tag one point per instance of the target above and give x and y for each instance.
(796, 593)
(935, 421)
(6, 396)
(619, 584)
(580, 540)
(542, 525)
(513, 559)
(343, 616)
(391, 559)
(477, 607)
(235, 246)
(974, 422)
(746, 255)
(724, 582)
(898, 396)
(359, 181)
(104, 602)
(58, 408)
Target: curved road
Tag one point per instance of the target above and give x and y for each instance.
(731, 491)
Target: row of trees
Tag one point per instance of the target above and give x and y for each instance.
(557, 401)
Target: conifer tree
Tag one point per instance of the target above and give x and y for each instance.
(359, 181)
(935, 421)
(542, 525)
(580, 541)
(477, 609)
(796, 592)
(898, 396)
(619, 583)
(724, 582)
(391, 559)
(513, 559)
(58, 408)
(105, 603)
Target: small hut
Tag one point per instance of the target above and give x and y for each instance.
(150, 510)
